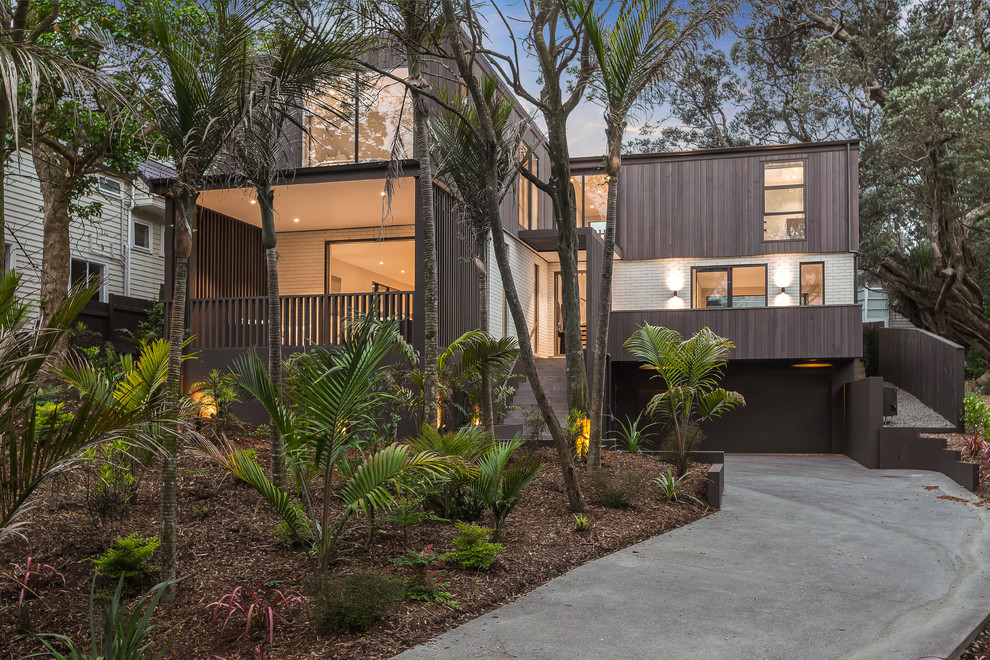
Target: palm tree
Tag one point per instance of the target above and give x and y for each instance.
(634, 53)
(483, 147)
(690, 369)
(197, 95)
(30, 449)
(304, 61)
(455, 132)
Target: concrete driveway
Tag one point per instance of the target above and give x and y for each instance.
(812, 557)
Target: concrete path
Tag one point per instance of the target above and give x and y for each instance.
(811, 558)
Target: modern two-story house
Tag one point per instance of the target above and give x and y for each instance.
(757, 243)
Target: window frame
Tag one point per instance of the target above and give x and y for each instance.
(116, 194)
(101, 295)
(728, 268)
(763, 198)
(151, 241)
(526, 189)
(801, 266)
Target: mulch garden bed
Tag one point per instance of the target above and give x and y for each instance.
(226, 539)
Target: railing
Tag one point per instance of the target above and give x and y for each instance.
(316, 319)
(759, 333)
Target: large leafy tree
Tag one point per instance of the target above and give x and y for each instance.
(633, 53)
(193, 98)
(910, 80)
(304, 59)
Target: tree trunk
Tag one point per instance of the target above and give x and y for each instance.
(185, 213)
(557, 432)
(600, 356)
(486, 403)
(266, 200)
(55, 179)
(424, 183)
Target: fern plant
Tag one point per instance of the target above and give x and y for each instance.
(500, 480)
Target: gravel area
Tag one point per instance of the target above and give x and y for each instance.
(913, 413)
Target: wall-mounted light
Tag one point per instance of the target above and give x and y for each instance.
(782, 277)
(675, 281)
(782, 299)
(675, 302)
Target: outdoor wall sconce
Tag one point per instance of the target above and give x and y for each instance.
(782, 278)
(782, 299)
(675, 302)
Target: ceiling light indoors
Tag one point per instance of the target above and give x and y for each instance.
(295, 219)
(254, 201)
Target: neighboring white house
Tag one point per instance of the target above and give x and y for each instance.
(124, 245)
(876, 308)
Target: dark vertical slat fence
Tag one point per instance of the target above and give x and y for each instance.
(228, 258)
(306, 320)
(926, 365)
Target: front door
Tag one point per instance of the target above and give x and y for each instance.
(558, 314)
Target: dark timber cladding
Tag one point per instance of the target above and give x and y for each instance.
(457, 282)
(228, 259)
(710, 203)
(760, 333)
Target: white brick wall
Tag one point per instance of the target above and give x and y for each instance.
(302, 255)
(522, 260)
(646, 284)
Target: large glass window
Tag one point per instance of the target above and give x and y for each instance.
(369, 266)
(591, 194)
(529, 197)
(783, 201)
(344, 127)
(730, 286)
(813, 283)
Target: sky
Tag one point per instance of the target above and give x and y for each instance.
(586, 126)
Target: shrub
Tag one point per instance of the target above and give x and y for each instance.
(976, 361)
(631, 434)
(672, 487)
(618, 490)
(111, 484)
(407, 513)
(354, 602)
(499, 483)
(52, 416)
(534, 425)
(298, 533)
(128, 558)
(581, 522)
(474, 550)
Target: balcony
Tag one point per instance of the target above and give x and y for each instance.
(306, 320)
(759, 333)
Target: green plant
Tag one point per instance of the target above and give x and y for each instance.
(52, 416)
(259, 611)
(672, 487)
(354, 602)
(976, 415)
(111, 482)
(473, 548)
(128, 558)
(453, 495)
(499, 483)
(631, 434)
(618, 490)
(422, 585)
(534, 425)
(299, 532)
(123, 634)
(215, 398)
(151, 328)
(976, 361)
(408, 512)
(579, 427)
(581, 522)
(30, 453)
(690, 369)
(335, 396)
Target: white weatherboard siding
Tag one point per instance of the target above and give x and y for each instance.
(643, 285)
(522, 260)
(302, 255)
(103, 240)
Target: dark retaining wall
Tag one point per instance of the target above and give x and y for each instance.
(926, 365)
(109, 318)
(875, 446)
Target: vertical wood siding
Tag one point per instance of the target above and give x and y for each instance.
(228, 259)
(458, 289)
(926, 365)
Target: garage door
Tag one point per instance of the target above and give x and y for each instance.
(788, 409)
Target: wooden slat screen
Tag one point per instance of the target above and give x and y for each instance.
(306, 320)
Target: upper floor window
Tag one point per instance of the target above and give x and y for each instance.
(361, 122)
(83, 273)
(141, 236)
(813, 283)
(591, 194)
(8, 257)
(783, 201)
(729, 286)
(108, 186)
(529, 199)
